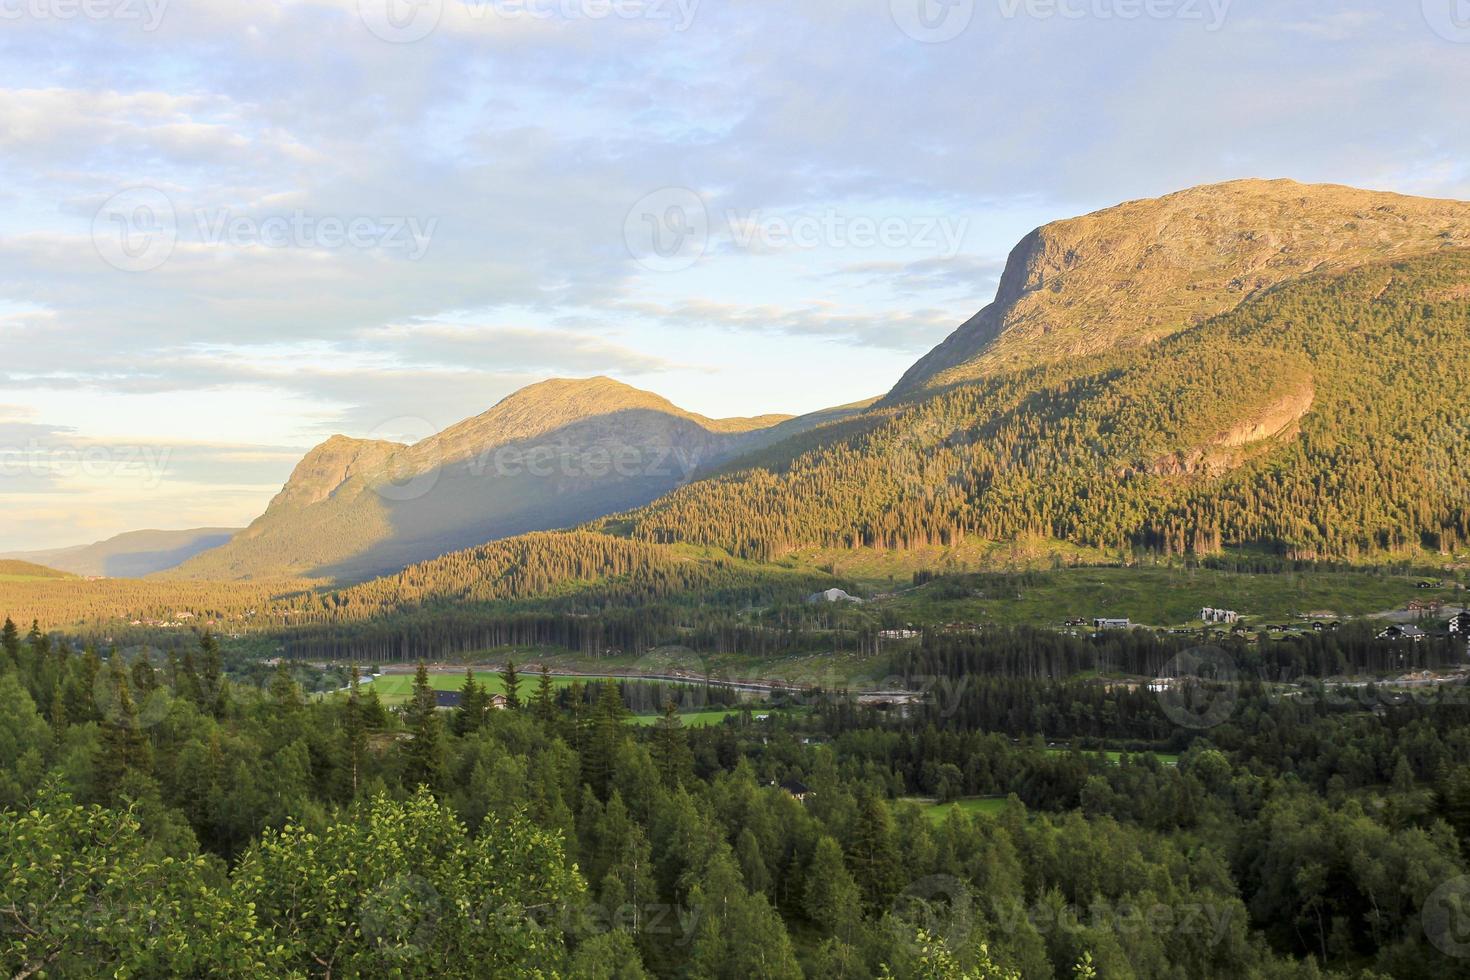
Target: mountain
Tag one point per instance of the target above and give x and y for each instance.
(131, 555)
(14, 569)
(1264, 365)
(552, 455)
(1145, 270)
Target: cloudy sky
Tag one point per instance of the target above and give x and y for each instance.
(229, 229)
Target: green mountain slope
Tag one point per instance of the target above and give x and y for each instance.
(1325, 417)
(133, 554)
(1145, 270)
(13, 569)
(551, 455)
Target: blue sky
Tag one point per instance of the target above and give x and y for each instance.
(231, 229)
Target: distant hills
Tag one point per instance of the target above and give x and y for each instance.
(13, 569)
(1259, 364)
(552, 455)
(130, 555)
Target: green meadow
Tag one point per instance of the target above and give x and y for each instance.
(1162, 596)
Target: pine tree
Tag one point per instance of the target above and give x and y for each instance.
(123, 746)
(189, 686)
(831, 899)
(671, 747)
(10, 640)
(212, 685)
(423, 722)
(512, 682)
(604, 735)
(283, 689)
(474, 704)
(874, 852)
(354, 731)
(544, 706)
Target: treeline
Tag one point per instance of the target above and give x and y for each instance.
(1029, 653)
(157, 819)
(1139, 450)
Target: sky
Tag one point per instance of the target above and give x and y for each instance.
(231, 229)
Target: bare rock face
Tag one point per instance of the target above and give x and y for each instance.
(1258, 427)
(1145, 270)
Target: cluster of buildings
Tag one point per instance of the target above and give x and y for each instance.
(1209, 615)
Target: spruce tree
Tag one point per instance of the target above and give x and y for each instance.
(283, 689)
(544, 706)
(354, 731)
(671, 747)
(123, 746)
(423, 723)
(212, 685)
(512, 682)
(474, 703)
(10, 640)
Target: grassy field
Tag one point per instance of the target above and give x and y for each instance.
(1166, 758)
(987, 805)
(396, 689)
(1162, 596)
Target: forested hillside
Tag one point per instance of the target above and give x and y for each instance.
(1323, 419)
(211, 826)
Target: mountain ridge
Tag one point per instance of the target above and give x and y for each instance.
(552, 454)
(1143, 270)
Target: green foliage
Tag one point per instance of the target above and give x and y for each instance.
(401, 889)
(86, 894)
